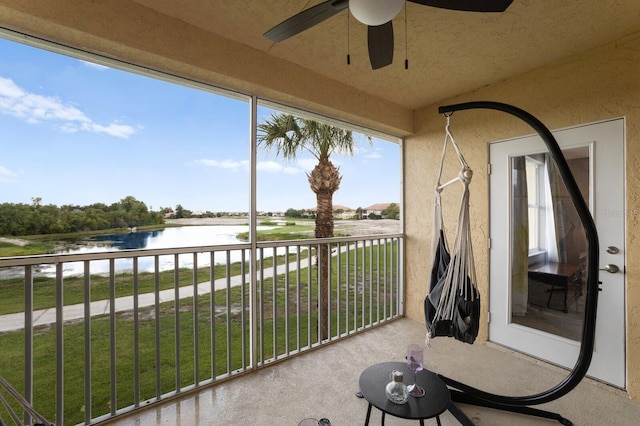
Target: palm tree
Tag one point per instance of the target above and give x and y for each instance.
(290, 135)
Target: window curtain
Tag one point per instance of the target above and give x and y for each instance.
(554, 213)
(520, 238)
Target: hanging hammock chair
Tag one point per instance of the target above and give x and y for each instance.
(457, 285)
(452, 307)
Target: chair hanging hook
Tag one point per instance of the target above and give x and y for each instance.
(447, 115)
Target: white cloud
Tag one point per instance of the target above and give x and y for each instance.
(92, 65)
(307, 164)
(9, 89)
(34, 108)
(7, 175)
(373, 155)
(268, 166)
(113, 129)
(292, 170)
(303, 165)
(225, 164)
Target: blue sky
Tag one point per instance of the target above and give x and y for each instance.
(72, 132)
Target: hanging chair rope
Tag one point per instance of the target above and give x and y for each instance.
(465, 173)
(460, 281)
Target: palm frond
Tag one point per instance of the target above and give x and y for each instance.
(289, 135)
(282, 133)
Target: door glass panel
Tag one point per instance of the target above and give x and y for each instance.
(548, 244)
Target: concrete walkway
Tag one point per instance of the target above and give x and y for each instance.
(15, 321)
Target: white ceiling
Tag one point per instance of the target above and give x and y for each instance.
(449, 52)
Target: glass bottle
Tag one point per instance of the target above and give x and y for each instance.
(396, 390)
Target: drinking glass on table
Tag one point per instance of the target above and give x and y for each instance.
(414, 362)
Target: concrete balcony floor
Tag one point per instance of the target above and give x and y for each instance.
(323, 382)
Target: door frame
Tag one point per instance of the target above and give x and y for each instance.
(622, 125)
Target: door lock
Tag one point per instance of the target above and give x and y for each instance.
(610, 268)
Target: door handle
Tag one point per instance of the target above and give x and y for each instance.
(610, 268)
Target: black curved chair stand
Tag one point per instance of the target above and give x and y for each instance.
(520, 404)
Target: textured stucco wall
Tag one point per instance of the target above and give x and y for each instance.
(602, 84)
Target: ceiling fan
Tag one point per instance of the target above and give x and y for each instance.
(377, 15)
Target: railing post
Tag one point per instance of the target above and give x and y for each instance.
(87, 342)
(195, 320)
(28, 338)
(112, 337)
(253, 241)
(59, 345)
(136, 336)
(228, 314)
(176, 325)
(156, 299)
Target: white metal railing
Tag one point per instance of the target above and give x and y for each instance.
(100, 345)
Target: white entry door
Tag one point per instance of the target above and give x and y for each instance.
(538, 248)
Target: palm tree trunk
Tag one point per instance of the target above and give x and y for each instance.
(324, 181)
(324, 229)
(323, 266)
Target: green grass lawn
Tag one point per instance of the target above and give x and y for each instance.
(31, 249)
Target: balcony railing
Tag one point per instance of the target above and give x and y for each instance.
(93, 345)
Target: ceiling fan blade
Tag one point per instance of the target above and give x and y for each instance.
(468, 5)
(380, 41)
(306, 19)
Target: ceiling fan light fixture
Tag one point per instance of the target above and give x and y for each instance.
(375, 12)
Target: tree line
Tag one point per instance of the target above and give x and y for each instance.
(391, 212)
(24, 219)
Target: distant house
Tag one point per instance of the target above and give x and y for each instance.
(343, 212)
(376, 209)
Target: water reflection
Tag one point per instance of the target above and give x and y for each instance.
(130, 241)
(186, 236)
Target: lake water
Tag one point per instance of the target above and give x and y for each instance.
(185, 236)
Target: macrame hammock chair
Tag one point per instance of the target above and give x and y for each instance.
(452, 306)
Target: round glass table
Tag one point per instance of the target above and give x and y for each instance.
(374, 379)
